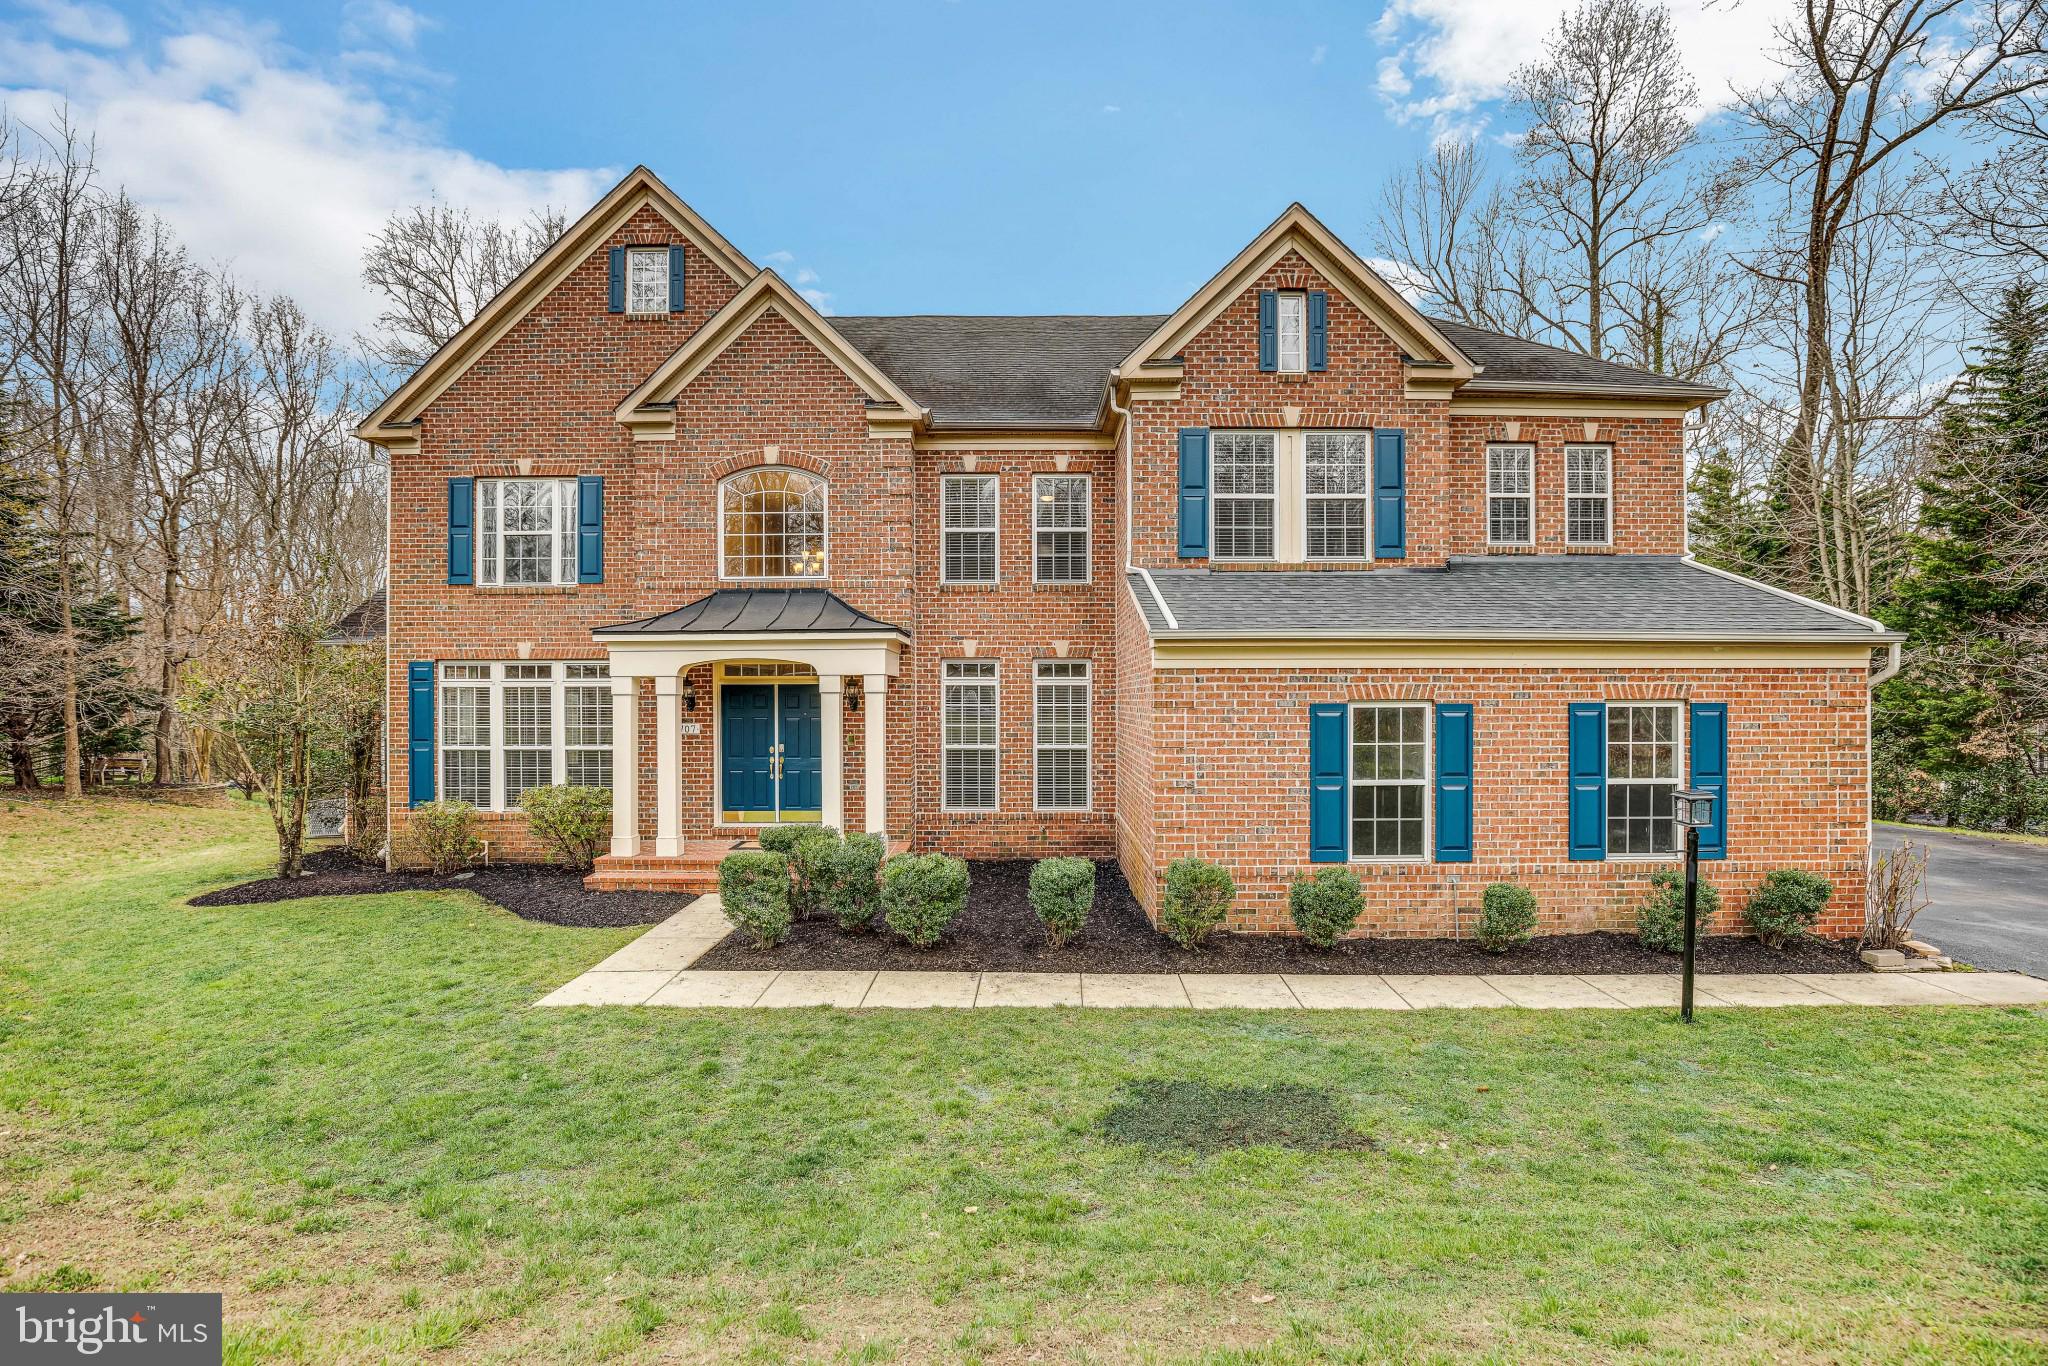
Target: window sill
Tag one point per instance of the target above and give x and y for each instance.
(1511, 549)
(531, 589)
(1057, 584)
(969, 585)
(1604, 548)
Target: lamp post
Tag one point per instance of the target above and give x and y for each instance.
(1691, 808)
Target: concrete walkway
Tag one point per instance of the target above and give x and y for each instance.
(654, 970)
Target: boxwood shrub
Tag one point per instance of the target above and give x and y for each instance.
(1660, 921)
(848, 879)
(1326, 906)
(1507, 917)
(1062, 891)
(753, 884)
(1785, 908)
(808, 855)
(442, 835)
(783, 839)
(1197, 900)
(922, 894)
(575, 823)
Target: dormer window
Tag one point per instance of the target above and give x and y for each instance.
(647, 280)
(1293, 332)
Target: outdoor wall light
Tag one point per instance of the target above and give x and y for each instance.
(852, 695)
(1692, 807)
(689, 695)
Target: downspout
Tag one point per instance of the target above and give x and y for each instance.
(1890, 666)
(1124, 442)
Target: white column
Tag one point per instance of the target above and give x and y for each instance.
(875, 697)
(831, 712)
(668, 766)
(625, 767)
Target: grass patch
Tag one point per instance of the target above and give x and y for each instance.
(1198, 1117)
(345, 1114)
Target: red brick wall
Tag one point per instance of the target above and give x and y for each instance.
(1648, 481)
(1136, 832)
(1231, 784)
(1222, 386)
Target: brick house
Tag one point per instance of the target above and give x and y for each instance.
(1291, 575)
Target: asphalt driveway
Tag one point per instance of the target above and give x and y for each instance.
(1988, 899)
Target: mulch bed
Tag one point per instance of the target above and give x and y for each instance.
(999, 932)
(553, 895)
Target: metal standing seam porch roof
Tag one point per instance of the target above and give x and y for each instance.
(757, 611)
(1529, 597)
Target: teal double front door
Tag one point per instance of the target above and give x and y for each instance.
(770, 752)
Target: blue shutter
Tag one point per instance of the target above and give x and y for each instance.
(1454, 782)
(1329, 774)
(419, 731)
(615, 297)
(461, 530)
(1588, 724)
(1269, 330)
(1194, 492)
(590, 528)
(675, 279)
(1710, 771)
(1390, 495)
(1318, 329)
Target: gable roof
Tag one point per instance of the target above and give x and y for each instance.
(362, 624)
(390, 422)
(1501, 597)
(1299, 230)
(754, 611)
(1002, 371)
(650, 410)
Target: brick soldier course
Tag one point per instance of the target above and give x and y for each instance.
(737, 511)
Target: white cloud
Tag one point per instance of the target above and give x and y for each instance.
(1315, 58)
(383, 21)
(262, 159)
(1112, 109)
(1406, 280)
(93, 25)
(1455, 55)
(798, 276)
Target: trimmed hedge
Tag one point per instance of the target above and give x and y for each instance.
(574, 822)
(808, 855)
(442, 835)
(922, 894)
(1785, 908)
(1507, 917)
(782, 839)
(1660, 921)
(1062, 891)
(1197, 900)
(753, 884)
(848, 880)
(1326, 906)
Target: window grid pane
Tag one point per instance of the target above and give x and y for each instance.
(647, 281)
(1338, 474)
(773, 525)
(1061, 726)
(524, 698)
(1642, 774)
(1510, 494)
(1293, 332)
(1587, 496)
(1060, 518)
(968, 728)
(967, 509)
(1389, 767)
(1242, 473)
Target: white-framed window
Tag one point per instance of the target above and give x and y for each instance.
(1293, 320)
(772, 525)
(1060, 518)
(1645, 755)
(1588, 495)
(1510, 495)
(1337, 483)
(526, 532)
(510, 726)
(1061, 714)
(967, 528)
(1242, 480)
(968, 728)
(1390, 780)
(647, 279)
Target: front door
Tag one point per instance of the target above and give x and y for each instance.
(772, 765)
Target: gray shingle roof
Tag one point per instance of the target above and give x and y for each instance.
(362, 624)
(1520, 596)
(754, 610)
(1051, 371)
(1000, 371)
(1513, 363)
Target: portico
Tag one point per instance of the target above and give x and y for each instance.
(770, 648)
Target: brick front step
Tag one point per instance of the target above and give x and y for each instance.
(695, 870)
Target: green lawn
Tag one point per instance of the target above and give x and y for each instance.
(343, 1114)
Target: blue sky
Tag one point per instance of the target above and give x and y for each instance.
(931, 155)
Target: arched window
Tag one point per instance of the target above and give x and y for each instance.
(772, 525)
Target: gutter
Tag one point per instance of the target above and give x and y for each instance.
(1586, 637)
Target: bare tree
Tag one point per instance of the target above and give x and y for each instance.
(1607, 193)
(437, 266)
(1447, 227)
(1865, 83)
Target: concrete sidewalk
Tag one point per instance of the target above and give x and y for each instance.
(655, 970)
